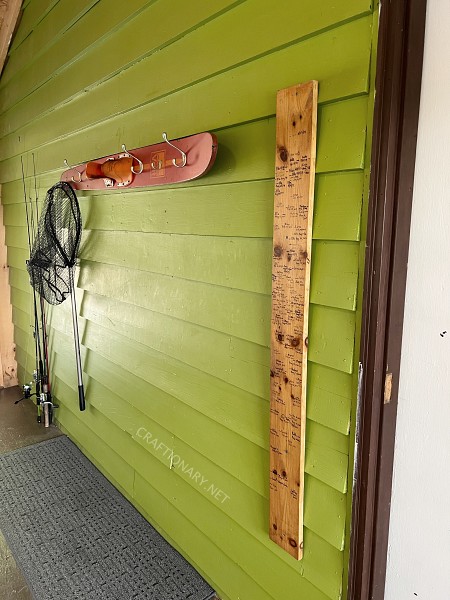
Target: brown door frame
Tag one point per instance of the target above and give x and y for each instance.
(398, 83)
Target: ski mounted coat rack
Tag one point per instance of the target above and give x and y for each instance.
(167, 162)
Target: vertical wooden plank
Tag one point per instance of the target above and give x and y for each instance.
(292, 235)
(8, 366)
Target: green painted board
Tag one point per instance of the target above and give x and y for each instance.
(239, 263)
(239, 209)
(46, 31)
(234, 210)
(334, 273)
(18, 83)
(34, 13)
(332, 343)
(337, 206)
(242, 263)
(269, 30)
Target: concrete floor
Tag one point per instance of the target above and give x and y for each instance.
(18, 428)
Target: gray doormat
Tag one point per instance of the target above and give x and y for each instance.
(74, 536)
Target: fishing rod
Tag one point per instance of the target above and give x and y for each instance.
(37, 375)
(43, 396)
(41, 377)
(39, 352)
(46, 391)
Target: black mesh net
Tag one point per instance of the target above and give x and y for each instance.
(56, 245)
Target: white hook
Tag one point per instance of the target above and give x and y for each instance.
(141, 164)
(80, 175)
(183, 155)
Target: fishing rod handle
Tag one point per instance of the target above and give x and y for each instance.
(46, 414)
(82, 403)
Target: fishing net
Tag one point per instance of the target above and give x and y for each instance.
(56, 244)
(53, 257)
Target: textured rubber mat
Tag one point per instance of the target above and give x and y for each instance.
(75, 536)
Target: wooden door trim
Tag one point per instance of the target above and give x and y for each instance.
(397, 100)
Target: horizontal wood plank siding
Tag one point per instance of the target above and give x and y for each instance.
(174, 284)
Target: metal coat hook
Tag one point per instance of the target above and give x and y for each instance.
(183, 155)
(141, 164)
(80, 175)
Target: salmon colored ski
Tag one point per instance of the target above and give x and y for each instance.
(168, 162)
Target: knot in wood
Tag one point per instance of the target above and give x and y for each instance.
(283, 153)
(278, 250)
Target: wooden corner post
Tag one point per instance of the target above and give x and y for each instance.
(10, 11)
(292, 236)
(8, 365)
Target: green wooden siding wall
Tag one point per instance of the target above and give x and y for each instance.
(174, 283)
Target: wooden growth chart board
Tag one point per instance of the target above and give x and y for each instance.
(292, 235)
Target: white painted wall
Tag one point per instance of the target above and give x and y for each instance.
(419, 541)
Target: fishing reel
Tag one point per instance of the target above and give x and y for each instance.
(27, 387)
(44, 402)
(27, 392)
(47, 406)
